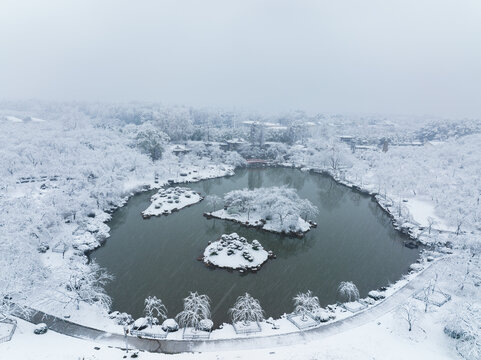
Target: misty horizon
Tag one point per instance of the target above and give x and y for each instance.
(269, 57)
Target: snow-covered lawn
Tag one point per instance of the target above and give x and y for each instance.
(234, 252)
(423, 213)
(171, 199)
(5, 329)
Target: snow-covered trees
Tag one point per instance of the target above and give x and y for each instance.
(86, 284)
(280, 207)
(409, 312)
(20, 268)
(348, 291)
(196, 309)
(213, 200)
(154, 309)
(246, 309)
(465, 327)
(306, 303)
(150, 140)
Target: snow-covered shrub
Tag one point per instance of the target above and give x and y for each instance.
(206, 325)
(170, 325)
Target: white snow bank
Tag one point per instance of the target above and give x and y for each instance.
(256, 219)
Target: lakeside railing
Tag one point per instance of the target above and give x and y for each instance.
(145, 334)
(13, 326)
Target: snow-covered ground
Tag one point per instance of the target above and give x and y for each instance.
(257, 220)
(87, 168)
(386, 337)
(234, 252)
(423, 212)
(171, 199)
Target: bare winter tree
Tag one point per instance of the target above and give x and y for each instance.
(196, 309)
(471, 276)
(427, 292)
(306, 303)
(246, 309)
(154, 308)
(348, 291)
(409, 312)
(460, 217)
(431, 222)
(334, 158)
(213, 200)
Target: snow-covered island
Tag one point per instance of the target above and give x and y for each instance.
(275, 209)
(234, 252)
(171, 199)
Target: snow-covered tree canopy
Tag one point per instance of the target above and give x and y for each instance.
(280, 208)
(149, 139)
(154, 309)
(348, 291)
(196, 309)
(306, 303)
(87, 285)
(246, 309)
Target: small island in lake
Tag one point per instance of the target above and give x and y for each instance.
(234, 252)
(165, 201)
(275, 209)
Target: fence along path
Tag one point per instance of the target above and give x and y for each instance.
(66, 327)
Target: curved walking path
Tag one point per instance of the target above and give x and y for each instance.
(177, 346)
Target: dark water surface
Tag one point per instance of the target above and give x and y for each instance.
(354, 241)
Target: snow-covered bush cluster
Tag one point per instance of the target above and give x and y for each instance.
(277, 209)
(171, 199)
(235, 252)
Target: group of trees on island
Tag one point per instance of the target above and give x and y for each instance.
(271, 203)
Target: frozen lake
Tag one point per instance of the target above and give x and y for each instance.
(354, 241)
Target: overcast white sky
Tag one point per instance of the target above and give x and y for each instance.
(407, 56)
